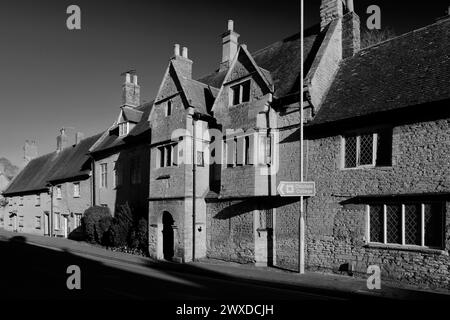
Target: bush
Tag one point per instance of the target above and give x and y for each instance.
(95, 223)
(120, 229)
(139, 235)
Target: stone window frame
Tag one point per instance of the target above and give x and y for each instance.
(76, 192)
(377, 132)
(20, 221)
(104, 175)
(124, 128)
(38, 222)
(403, 244)
(57, 219)
(240, 85)
(58, 192)
(161, 155)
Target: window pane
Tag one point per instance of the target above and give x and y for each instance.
(246, 91)
(433, 225)
(412, 224)
(366, 149)
(168, 156)
(161, 157)
(235, 92)
(350, 152)
(394, 224)
(376, 224)
(384, 148)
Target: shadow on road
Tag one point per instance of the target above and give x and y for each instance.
(35, 272)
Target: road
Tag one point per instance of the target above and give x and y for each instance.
(31, 271)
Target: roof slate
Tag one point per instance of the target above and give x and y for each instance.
(65, 165)
(281, 59)
(112, 139)
(412, 69)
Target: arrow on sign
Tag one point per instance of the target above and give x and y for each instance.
(297, 189)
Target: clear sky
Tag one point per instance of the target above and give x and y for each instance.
(52, 77)
(399, 15)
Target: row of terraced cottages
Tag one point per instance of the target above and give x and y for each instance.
(204, 159)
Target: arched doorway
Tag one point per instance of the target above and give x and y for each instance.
(168, 235)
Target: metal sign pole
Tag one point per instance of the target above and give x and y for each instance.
(301, 220)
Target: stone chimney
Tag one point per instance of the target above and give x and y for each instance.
(343, 10)
(230, 45)
(78, 137)
(30, 151)
(351, 34)
(61, 140)
(182, 62)
(131, 91)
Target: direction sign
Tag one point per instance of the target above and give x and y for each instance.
(297, 189)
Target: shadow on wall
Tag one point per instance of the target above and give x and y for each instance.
(246, 206)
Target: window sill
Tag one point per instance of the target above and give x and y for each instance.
(384, 168)
(406, 248)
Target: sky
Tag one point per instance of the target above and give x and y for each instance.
(53, 77)
(401, 16)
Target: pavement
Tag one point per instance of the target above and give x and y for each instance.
(230, 277)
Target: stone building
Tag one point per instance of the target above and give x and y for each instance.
(377, 146)
(49, 196)
(121, 155)
(220, 192)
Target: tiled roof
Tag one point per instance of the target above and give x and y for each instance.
(410, 70)
(111, 138)
(200, 95)
(67, 164)
(281, 58)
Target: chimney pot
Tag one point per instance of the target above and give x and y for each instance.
(127, 78)
(230, 25)
(176, 50)
(135, 79)
(185, 52)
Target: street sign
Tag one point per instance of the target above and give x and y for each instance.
(297, 189)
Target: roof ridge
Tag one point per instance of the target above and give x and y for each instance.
(400, 36)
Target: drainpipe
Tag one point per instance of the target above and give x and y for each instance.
(50, 218)
(92, 180)
(194, 169)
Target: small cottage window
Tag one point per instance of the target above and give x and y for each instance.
(38, 200)
(124, 128)
(240, 93)
(368, 150)
(104, 175)
(413, 224)
(76, 189)
(21, 221)
(58, 192)
(38, 222)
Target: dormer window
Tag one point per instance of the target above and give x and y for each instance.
(240, 93)
(124, 128)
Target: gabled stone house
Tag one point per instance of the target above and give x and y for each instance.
(378, 148)
(121, 155)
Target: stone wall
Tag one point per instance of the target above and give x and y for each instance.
(336, 230)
